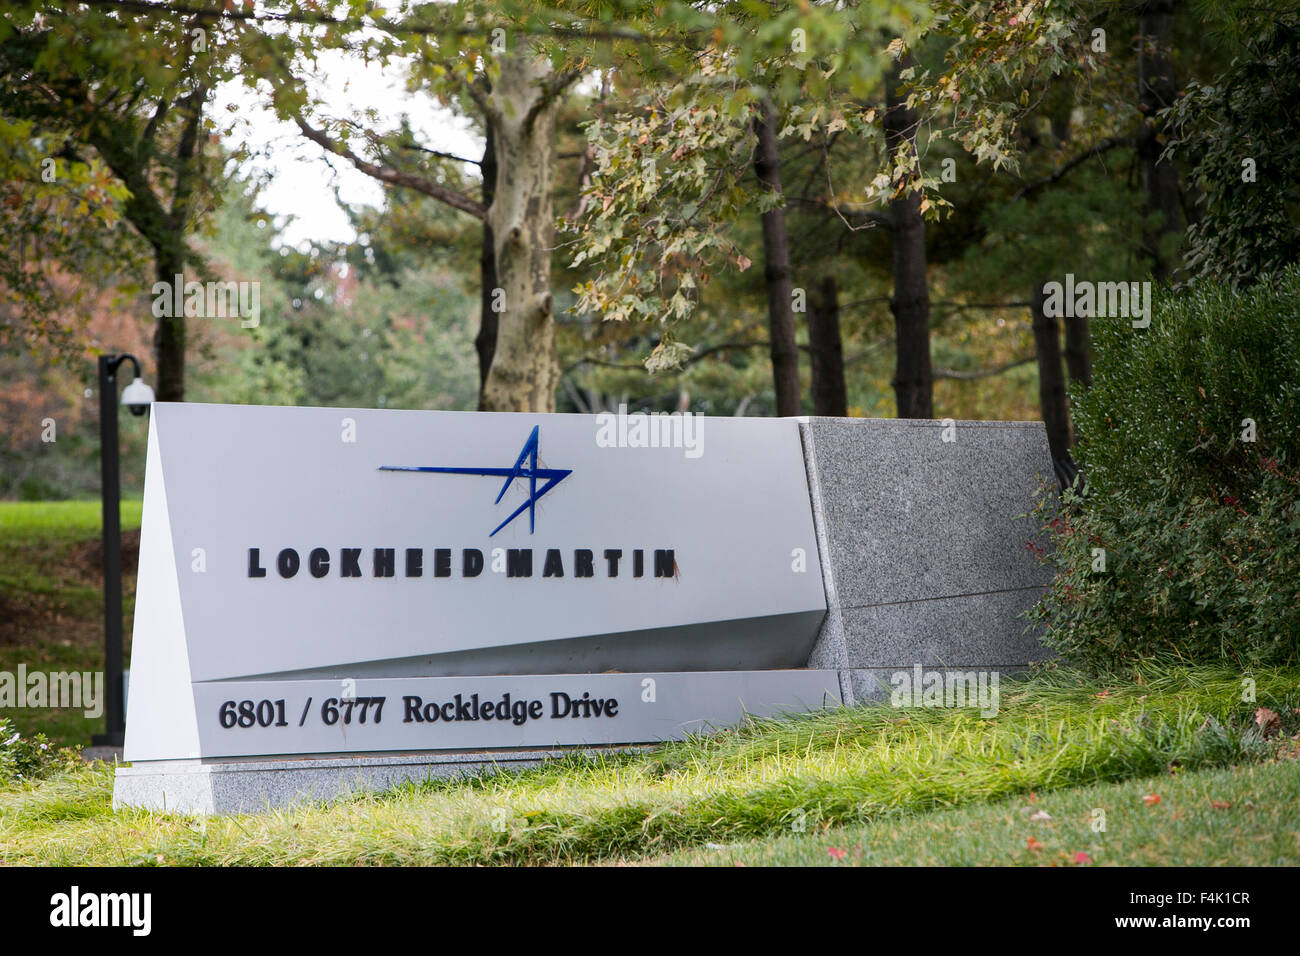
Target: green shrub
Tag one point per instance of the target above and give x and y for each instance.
(29, 758)
(1189, 575)
(1200, 528)
(1171, 399)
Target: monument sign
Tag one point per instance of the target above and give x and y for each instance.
(331, 598)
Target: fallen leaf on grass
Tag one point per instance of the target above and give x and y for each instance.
(1151, 799)
(1041, 815)
(1082, 857)
(1033, 844)
(1221, 804)
(836, 853)
(1268, 722)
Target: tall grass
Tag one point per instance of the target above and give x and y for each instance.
(841, 766)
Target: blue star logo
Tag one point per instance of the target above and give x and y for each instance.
(530, 471)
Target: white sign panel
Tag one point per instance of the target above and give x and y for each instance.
(477, 713)
(308, 544)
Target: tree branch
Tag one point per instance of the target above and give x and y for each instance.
(1104, 146)
(440, 154)
(152, 126)
(550, 90)
(385, 174)
(479, 90)
(958, 306)
(983, 372)
(394, 177)
(187, 148)
(855, 218)
(695, 357)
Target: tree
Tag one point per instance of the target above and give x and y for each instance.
(776, 256)
(826, 350)
(1237, 131)
(485, 342)
(517, 94)
(1156, 92)
(60, 219)
(714, 64)
(668, 185)
(1051, 379)
(913, 380)
(136, 98)
(520, 109)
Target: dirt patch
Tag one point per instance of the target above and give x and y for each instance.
(18, 615)
(89, 557)
(27, 620)
(30, 618)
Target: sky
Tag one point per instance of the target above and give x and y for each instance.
(300, 192)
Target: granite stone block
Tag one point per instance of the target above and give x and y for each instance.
(984, 630)
(924, 557)
(909, 516)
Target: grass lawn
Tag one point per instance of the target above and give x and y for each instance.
(51, 599)
(867, 767)
(881, 785)
(1241, 816)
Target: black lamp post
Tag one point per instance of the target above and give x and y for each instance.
(138, 397)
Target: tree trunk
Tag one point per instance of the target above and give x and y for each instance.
(913, 377)
(525, 370)
(169, 334)
(1078, 357)
(485, 343)
(1078, 350)
(776, 255)
(1156, 90)
(1078, 341)
(827, 351)
(169, 337)
(1051, 378)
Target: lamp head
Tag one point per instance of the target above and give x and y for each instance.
(137, 396)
